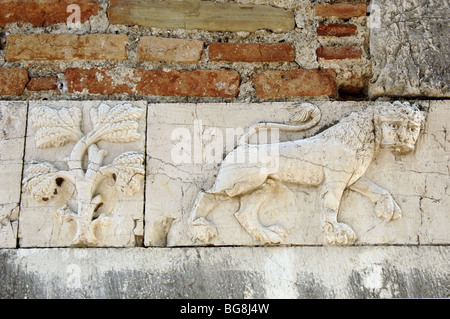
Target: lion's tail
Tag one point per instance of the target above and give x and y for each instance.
(308, 116)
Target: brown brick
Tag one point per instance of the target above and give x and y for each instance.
(43, 12)
(45, 47)
(340, 10)
(13, 81)
(295, 83)
(336, 30)
(169, 50)
(42, 84)
(252, 52)
(202, 83)
(339, 53)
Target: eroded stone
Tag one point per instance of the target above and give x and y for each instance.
(409, 47)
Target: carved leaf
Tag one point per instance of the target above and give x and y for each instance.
(56, 127)
(41, 181)
(116, 124)
(128, 170)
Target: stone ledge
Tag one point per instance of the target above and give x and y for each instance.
(227, 272)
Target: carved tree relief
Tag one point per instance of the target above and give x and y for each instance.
(86, 170)
(332, 161)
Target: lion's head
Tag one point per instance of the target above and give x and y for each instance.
(398, 126)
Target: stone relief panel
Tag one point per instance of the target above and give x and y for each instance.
(280, 173)
(12, 138)
(83, 176)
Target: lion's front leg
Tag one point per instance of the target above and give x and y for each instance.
(335, 233)
(385, 205)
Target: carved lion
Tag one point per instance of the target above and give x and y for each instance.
(335, 160)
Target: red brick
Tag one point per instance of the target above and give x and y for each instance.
(252, 52)
(42, 84)
(169, 50)
(336, 30)
(295, 83)
(43, 12)
(339, 53)
(45, 47)
(202, 83)
(13, 81)
(340, 10)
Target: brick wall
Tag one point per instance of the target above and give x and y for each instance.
(242, 50)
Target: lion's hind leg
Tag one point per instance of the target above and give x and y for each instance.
(248, 216)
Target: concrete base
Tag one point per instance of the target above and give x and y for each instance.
(227, 272)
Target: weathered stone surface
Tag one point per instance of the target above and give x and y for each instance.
(416, 182)
(84, 165)
(12, 138)
(169, 50)
(410, 48)
(228, 272)
(206, 15)
(44, 47)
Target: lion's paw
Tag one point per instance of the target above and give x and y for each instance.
(386, 208)
(272, 235)
(339, 234)
(202, 230)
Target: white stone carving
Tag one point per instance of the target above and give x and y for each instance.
(86, 172)
(333, 161)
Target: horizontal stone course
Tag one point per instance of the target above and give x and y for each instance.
(205, 15)
(227, 272)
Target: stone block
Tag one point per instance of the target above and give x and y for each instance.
(224, 273)
(12, 139)
(205, 15)
(409, 48)
(83, 174)
(211, 182)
